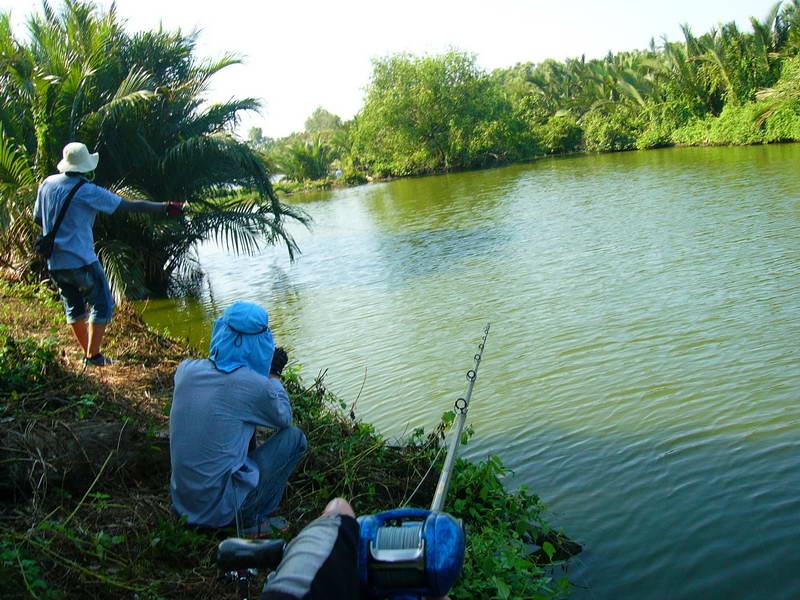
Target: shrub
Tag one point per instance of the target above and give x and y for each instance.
(561, 134)
(609, 129)
(783, 125)
(697, 132)
(737, 125)
(659, 123)
(500, 526)
(21, 575)
(742, 125)
(26, 362)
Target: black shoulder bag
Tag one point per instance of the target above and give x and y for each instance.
(44, 243)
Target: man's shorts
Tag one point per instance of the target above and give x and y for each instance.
(82, 286)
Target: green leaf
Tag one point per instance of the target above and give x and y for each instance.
(549, 550)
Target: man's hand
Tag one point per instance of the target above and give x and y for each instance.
(279, 360)
(174, 208)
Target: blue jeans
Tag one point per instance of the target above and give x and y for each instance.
(276, 459)
(82, 286)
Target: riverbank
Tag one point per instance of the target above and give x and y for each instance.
(85, 461)
(706, 134)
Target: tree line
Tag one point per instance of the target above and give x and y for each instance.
(434, 114)
(139, 100)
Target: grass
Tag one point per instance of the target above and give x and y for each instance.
(106, 531)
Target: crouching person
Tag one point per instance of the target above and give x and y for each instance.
(217, 404)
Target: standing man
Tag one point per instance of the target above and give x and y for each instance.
(74, 266)
(216, 406)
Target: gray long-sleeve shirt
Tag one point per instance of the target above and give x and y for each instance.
(213, 417)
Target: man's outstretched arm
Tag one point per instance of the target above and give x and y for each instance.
(145, 206)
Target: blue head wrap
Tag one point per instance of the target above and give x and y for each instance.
(241, 338)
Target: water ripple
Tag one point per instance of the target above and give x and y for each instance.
(643, 370)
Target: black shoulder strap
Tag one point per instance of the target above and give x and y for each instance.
(64, 207)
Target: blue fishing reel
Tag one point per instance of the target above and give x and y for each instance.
(410, 552)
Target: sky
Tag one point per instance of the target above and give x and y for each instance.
(302, 54)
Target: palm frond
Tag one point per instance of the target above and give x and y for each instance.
(15, 170)
(216, 117)
(123, 269)
(122, 106)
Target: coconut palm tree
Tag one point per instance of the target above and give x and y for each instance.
(49, 86)
(679, 77)
(306, 159)
(790, 17)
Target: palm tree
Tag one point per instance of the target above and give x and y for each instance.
(771, 35)
(790, 17)
(139, 102)
(678, 75)
(306, 159)
(48, 87)
(175, 148)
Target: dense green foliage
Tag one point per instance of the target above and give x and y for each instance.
(115, 537)
(434, 114)
(138, 100)
(431, 114)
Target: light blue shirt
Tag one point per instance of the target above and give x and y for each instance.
(74, 244)
(213, 417)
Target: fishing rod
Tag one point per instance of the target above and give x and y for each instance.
(410, 553)
(461, 407)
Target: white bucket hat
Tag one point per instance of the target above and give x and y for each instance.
(76, 159)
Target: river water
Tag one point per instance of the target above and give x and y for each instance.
(642, 372)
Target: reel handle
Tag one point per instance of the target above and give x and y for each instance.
(234, 554)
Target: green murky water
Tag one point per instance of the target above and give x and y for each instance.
(642, 373)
